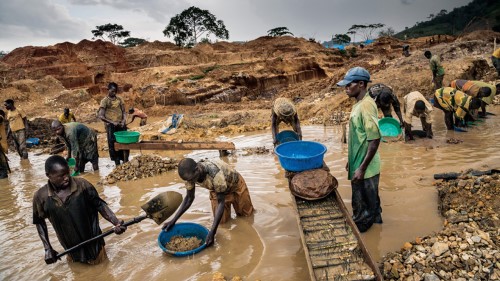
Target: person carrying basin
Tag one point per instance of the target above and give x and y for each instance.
(72, 206)
(227, 187)
(284, 111)
(455, 103)
(363, 164)
(416, 105)
(475, 89)
(384, 97)
(81, 142)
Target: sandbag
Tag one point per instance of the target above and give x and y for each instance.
(313, 184)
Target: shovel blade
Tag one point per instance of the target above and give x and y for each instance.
(162, 206)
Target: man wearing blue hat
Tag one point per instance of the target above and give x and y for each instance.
(363, 164)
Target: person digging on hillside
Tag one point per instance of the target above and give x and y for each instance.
(18, 127)
(415, 104)
(436, 68)
(72, 206)
(456, 103)
(495, 59)
(363, 164)
(81, 142)
(4, 164)
(384, 97)
(67, 116)
(284, 111)
(135, 112)
(475, 88)
(227, 187)
(112, 112)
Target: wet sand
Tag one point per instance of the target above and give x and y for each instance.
(266, 246)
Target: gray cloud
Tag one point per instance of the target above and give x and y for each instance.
(160, 10)
(407, 2)
(24, 18)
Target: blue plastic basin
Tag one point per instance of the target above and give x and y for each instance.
(184, 229)
(287, 136)
(298, 156)
(32, 141)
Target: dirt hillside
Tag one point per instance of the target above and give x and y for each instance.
(226, 88)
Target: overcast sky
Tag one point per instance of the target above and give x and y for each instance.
(47, 22)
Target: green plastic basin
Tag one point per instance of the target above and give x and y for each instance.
(389, 127)
(127, 136)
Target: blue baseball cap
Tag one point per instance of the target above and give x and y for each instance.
(355, 74)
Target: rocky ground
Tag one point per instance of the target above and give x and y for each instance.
(467, 248)
(139, 167)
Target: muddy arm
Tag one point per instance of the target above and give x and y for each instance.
(50, 254)
(186, 203)
(221, 199)
(106, 213)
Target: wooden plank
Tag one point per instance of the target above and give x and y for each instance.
(334, 203)
(172, 145)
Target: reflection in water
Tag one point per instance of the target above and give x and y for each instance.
(265, 246)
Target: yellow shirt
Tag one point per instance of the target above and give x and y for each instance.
(472, 88)
(15, 118)
(496, 53)
(63, 119)
(453, 100)
(3, 136)
(112, 108)
(409, 106)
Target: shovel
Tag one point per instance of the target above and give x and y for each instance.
(158, 209)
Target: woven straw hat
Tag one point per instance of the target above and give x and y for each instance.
(284, 107)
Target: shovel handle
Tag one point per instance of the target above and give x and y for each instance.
(127, 223)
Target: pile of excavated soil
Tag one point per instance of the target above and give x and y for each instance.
(142, 166)
(467, 248)
(182, 244)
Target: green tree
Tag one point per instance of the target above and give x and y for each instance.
(114, 32)
(366, 29)
(341, 39)
(3, 54)
(279, 31)
(193, 23)
(131, 42)
(353, 33)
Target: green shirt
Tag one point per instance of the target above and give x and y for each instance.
(363, 127)
(436, 66)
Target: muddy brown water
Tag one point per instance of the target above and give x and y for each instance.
(266, 246)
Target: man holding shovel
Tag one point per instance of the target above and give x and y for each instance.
(72, 206)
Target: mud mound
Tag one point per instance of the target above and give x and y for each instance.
(467, 248)
(142, 166)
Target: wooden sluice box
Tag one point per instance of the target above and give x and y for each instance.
(332, 244)
(223, 147)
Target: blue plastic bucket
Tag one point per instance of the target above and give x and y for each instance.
(298, 156)
(287, 136)
(184, 229)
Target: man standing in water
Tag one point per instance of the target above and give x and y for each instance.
(18, 127)
(363, 164)
(112, 112)
(72, 206)
(227, 187)
(284, 111)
